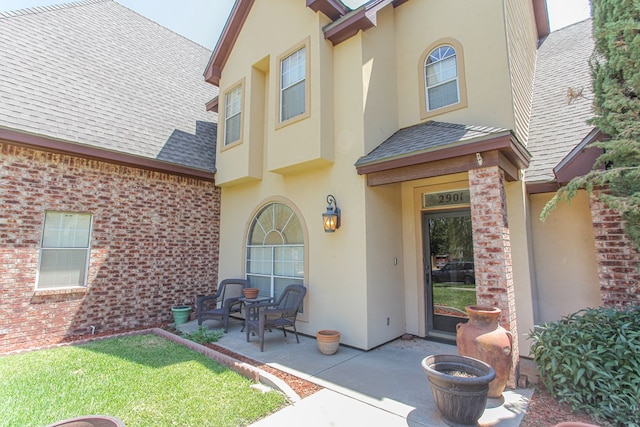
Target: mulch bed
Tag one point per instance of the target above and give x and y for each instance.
(545, 411)
(303, 388)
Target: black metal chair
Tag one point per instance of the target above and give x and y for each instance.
(281, 314)
(224, 302)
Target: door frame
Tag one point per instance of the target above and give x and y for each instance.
(425, 215)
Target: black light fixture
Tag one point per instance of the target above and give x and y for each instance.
(331, 218)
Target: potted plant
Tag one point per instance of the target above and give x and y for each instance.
(180, 314)
(328, 341)
(460, 386)
(251, 293)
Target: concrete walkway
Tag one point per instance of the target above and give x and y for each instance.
(384, 386)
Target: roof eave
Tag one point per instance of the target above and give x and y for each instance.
(542, 187)
(333, 9)
(505, 142)
(49, 144)
(212, 105)
(227, 40)
(363, 18)
(581, 159)
(541, 15)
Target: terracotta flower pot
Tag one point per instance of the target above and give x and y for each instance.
(459, 386)
(251, 293)
(482, 338)
(328, 341)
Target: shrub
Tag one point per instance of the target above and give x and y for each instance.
(591, 360)
(204, 335)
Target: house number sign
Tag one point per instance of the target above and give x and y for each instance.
(448, 198)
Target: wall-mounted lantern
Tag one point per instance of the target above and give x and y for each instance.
(331, 218)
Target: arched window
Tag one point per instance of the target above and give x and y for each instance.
(441, 78)
(275, 250)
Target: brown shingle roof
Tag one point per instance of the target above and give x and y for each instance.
(426, 137)
(557, 125)
(96, 73)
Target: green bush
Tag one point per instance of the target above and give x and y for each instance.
(591, 360)
(204, 335)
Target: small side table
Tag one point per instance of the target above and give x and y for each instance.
(251, 309)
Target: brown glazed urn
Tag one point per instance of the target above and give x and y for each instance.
(484, 339)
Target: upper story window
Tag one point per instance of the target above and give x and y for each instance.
(442, 75)
(293, 85)
(64, 251)
(233, 115)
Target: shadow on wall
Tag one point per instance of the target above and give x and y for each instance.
(187, 149)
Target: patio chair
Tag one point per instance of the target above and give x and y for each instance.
(224, 302)
(281, 314)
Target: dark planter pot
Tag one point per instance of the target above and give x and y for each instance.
(460, 399)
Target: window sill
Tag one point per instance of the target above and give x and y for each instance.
(61, 291)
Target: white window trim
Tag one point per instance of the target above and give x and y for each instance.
(42, 249)
(307, 105)
(461, 79)
(442, 83)
(238, 85)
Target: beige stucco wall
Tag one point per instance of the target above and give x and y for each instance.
(522, 260)
(420, 23)
(360, 92)
(565, 258)
(255, 58)
(350, 265)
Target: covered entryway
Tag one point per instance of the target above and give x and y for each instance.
(453, 177)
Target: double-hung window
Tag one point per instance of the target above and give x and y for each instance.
(233, 115)
(64, 250)
(441, 78)
(293, 77)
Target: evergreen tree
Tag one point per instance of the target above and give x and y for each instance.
(615, 70)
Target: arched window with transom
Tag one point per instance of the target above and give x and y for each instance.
(275, 250)
(441, 77)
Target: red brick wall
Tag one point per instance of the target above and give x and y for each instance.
(154, 245)
(492, 246)
(618, 259)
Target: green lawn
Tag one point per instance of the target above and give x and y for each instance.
(144, 380)
(457, 295)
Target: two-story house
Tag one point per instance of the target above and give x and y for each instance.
(414, 116)
(415, 120)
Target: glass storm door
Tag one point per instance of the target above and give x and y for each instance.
(449, 274)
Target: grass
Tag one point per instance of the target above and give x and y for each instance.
(144, 380)
(457, 295)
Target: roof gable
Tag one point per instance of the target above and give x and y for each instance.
(346, 23)
(97, 74)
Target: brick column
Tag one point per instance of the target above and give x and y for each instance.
(618, 259)
(492, 249)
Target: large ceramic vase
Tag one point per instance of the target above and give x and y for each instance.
(459, 386)
(484, 339)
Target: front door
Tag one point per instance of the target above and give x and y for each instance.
(449, 274)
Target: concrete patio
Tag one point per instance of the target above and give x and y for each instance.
(385, 386)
